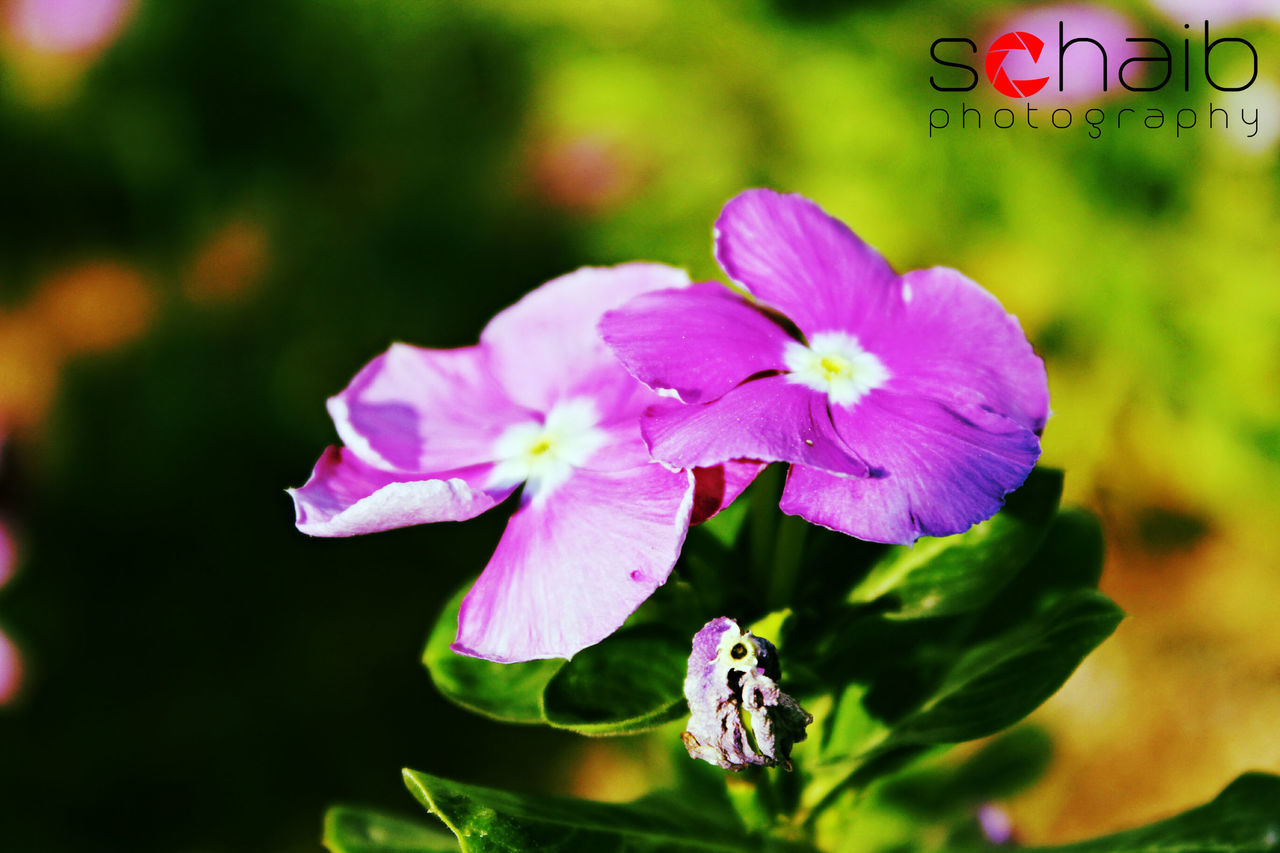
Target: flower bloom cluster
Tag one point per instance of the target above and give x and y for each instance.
(626, 404)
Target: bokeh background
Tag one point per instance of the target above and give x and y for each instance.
(215, 212)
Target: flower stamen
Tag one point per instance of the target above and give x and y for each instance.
(544, 455)
(835, 364)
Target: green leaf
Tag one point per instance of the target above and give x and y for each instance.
(1000, 769)
(1070, 557)
(1071, 554)
(995, 684)
(510, 692)
(956, 574)
(849, 730)
(630, 682)
(1008, 764)
(1244, 818)
(489, 821)
(728, 523)
(710, 555)
(349, 830)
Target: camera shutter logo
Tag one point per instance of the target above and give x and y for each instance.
(1000, 50)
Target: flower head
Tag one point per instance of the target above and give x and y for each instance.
(907, 405)
(539, 403)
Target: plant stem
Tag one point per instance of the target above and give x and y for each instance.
(764, 523)
(787, 550)
(753, 798)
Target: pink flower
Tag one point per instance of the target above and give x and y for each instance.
(997, 826)
(1220, 12)
(8, 554)
(10, 670)
(10, 662)
(907, 405)
(66, 26)
(443, 435)
(1082, 62)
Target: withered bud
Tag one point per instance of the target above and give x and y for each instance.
(739, 716)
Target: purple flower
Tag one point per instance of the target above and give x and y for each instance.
(908, 405)
(997, 826)
(443, 435)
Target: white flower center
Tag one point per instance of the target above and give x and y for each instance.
(835, 364)
(543, 455)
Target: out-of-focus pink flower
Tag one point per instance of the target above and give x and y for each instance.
(230, 265)
(10, 663)
(66, 26)
(10, 670)
(996, 824)
(583, 174)
(8, 550)
(1082, 62)
(1219, 11)
(8, 554)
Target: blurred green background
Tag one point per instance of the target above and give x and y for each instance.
(216, 212)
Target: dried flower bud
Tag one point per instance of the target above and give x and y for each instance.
(739, 716)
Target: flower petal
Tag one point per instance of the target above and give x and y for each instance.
(789, 253)
(623, 447)
(699, 341)
(720, 485)
(345, 497)
(413, 409)
(570, 570)
(769, 419)
(949, 340)
(546, 347)
(937, 470)
(9, 553)
(10, 670)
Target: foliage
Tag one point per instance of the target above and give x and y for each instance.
(1242, 819)
(388, 154)
(909, 651)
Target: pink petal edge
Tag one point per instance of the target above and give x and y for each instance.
(346, 497)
